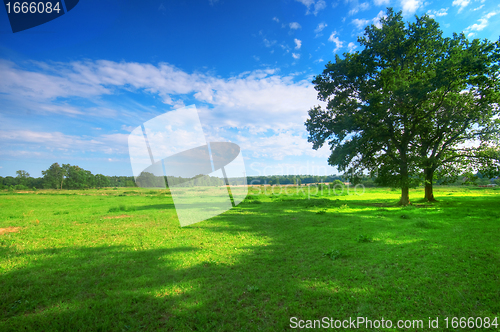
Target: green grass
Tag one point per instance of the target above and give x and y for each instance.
(117, 260)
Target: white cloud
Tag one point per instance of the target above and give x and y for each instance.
(316, 6)
(298, 43)
(108, 143)
(410, 6)
(478, 8)
(351, 46)
(381, 2)
(483, 23)
(294, 26)
(461, 4)
(334, 39)
(269, 43)
(376, 20)
(361, 7)
(320, 27)
(438, 13)
(296, 56)
(276, 19)
(259, 100)
(306, 3)
(360, 23)
(281, 145)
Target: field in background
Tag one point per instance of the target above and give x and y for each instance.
(117, 260)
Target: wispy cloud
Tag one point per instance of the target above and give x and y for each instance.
(294, 26)
(381, 2)
(483, 23)
(410, 6)
(313, 6)
(360, 23)
(438, 13)
(269, 43)
(256, 103)
(361, 7)
(108, 143)
(461, 4)
(298, 43)
(351, 47)
(334, 39)
(275, 19)
(320, 28)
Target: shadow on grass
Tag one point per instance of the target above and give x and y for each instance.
(407, 272)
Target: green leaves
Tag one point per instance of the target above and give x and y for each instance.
(409, 100)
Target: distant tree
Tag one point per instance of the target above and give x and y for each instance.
(22, 177)
(101, 181)
(54, 176)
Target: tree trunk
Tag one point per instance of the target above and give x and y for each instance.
(429, 176)
(405, 196)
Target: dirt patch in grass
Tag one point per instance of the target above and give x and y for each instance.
(9, 230)
(116, 217)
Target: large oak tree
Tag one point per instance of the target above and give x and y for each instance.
(385, 103)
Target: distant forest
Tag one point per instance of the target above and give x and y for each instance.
(74, 177)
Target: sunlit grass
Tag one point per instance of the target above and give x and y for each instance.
(117, 260)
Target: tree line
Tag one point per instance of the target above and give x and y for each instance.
(64, 176)
(74, 177)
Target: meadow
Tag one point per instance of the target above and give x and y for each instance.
(117, 260)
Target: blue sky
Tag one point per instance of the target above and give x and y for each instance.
(72, 90)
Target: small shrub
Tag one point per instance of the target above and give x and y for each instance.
(337, 183)
(122, 208)
(115, 188)
(364, 238)
(321, 212)
(255, 202)
(59, 213)
(334, 254)
(252, 289)
(424, 224)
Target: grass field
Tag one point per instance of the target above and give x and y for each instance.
(117, 260)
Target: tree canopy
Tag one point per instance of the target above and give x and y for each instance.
(408, 101)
